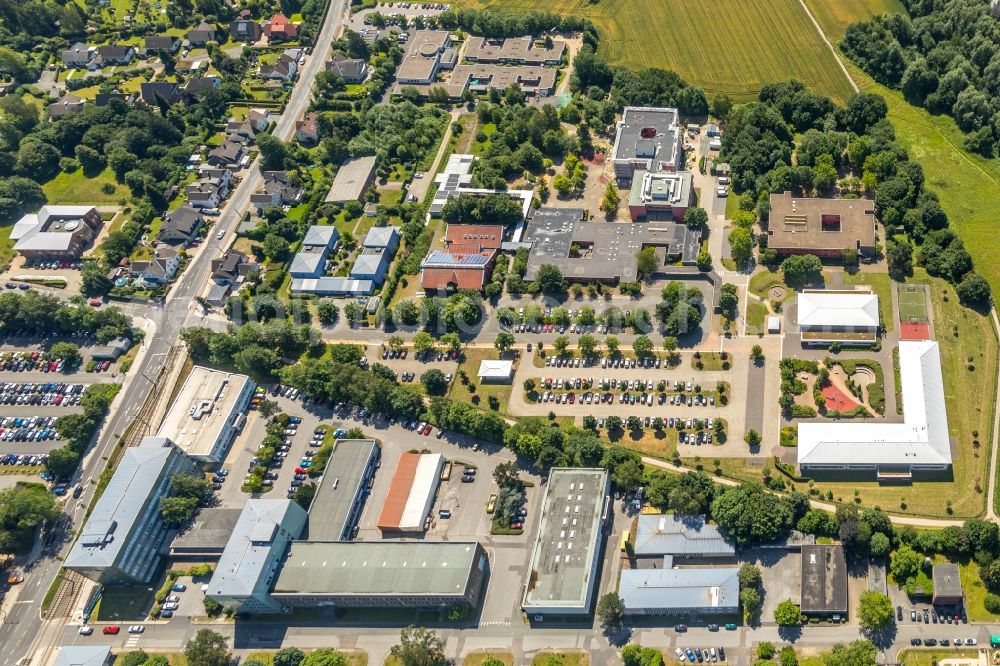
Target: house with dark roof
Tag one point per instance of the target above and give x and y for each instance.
(352, 70)
(78, 55)
(259, 119)
(160, 269)
(282, 70)
(231, 267)
(150, 91)
(202, 34)
(210, 190)
(226, 155)
(181, 226)
(277, 190)
(245, 30)
(103, 99)
(115, 55)
(68, 104)
(199, 85)
(307, 129)
(281, 28)
(162, 43)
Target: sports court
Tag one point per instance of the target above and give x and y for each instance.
(914, 324)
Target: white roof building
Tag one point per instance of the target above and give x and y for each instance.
(837, 310)
(496, 371)
(921, 442)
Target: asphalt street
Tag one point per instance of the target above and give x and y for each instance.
(23, 633)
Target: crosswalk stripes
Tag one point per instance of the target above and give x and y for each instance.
(495, 623)
(132, 641)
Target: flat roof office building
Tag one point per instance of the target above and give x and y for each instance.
(565, 559)
(122, 540)
(250, 562)
(208, 413)
(647, 139)
(343, 488)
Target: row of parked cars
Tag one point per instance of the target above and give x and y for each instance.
(944, 642)
(23, 459)
(28, 428)
(29, 362)
(49, 393)
(700, 655)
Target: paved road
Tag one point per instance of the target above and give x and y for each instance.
(23, 632)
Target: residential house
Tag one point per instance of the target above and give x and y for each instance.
(240, 130)
(280, 28)
(307, 264)
(160, 269)
(228, 272)
(68, 104)
(202, 34)
(259, 119)
(278, 190)
(227, 155)
(322, 238)
(103, 99)
(161, 43)
(115, 55)
(231, 268)
(151, 92)
(199, 85)
(245, 30)
(282, 70)
(211, 190)
(307, 130)
(181, 226)
(352, 70)
(78, 55)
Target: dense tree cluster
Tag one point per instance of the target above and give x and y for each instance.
(490, 209)
(398, 132)
(187, 493)
(853, 148)
(947, 59)
(36, 313)
(748, 514)
(679, 311)
(524, 137)
(256, 349)
(22, 509)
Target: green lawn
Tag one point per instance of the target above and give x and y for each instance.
(77, 188)
(561, 659)
(975, 593)
(478, 658)
(480, 397)
(756, 318)
(932, 657)
(730, 46)
(882, 286)
(764, 279)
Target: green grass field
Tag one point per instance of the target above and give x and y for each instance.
(78, 188)
(730, 46)
(912, 303)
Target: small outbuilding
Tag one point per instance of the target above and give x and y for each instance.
(496, 372)
(773, 324)
(947, 585)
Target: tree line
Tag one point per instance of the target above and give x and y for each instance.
(945, 58)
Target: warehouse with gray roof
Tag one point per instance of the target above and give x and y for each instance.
(667, 591)
(353, 177)
(680, 536)
(565, 560)
(386, 574)
(342, 490)
(123, 537)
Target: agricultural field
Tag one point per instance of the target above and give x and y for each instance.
(709, 43)
(835, 15)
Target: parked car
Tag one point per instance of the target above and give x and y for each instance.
(111, 630)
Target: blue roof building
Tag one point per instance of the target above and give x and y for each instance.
(668, 591)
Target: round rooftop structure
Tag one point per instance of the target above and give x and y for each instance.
(428, 49)
(71, 225)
